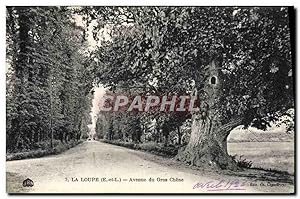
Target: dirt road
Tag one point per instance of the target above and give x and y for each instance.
(95, 167)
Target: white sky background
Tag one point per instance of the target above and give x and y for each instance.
(98, 94)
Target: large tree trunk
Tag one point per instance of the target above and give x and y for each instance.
(208, 144)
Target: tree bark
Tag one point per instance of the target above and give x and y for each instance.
(166, 142)
(208, 144)
(179, 135)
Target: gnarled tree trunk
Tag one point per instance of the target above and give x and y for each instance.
(208, 144)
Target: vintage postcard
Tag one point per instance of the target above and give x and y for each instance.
(150, 100)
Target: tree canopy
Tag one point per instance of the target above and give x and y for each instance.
(172, 45)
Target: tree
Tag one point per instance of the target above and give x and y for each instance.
(49, 78)
(101, 126)
(247, 92)
(173, 46)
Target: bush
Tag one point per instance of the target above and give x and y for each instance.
(151, 146)
(242, 162)
(121, 143)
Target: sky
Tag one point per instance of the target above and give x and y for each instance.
(98, 94)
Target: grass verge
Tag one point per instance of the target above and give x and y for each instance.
(59, 148)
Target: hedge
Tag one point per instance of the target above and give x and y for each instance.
(152, 147)
(42, 152)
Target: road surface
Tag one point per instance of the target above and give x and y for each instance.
(95, 167)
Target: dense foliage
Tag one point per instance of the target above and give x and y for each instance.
(167, 50)
(172, 45)
(48, 78)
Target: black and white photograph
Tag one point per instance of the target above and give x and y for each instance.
(150, 99)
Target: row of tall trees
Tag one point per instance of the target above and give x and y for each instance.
(48, 77)
(140, 126)
(143, 127)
